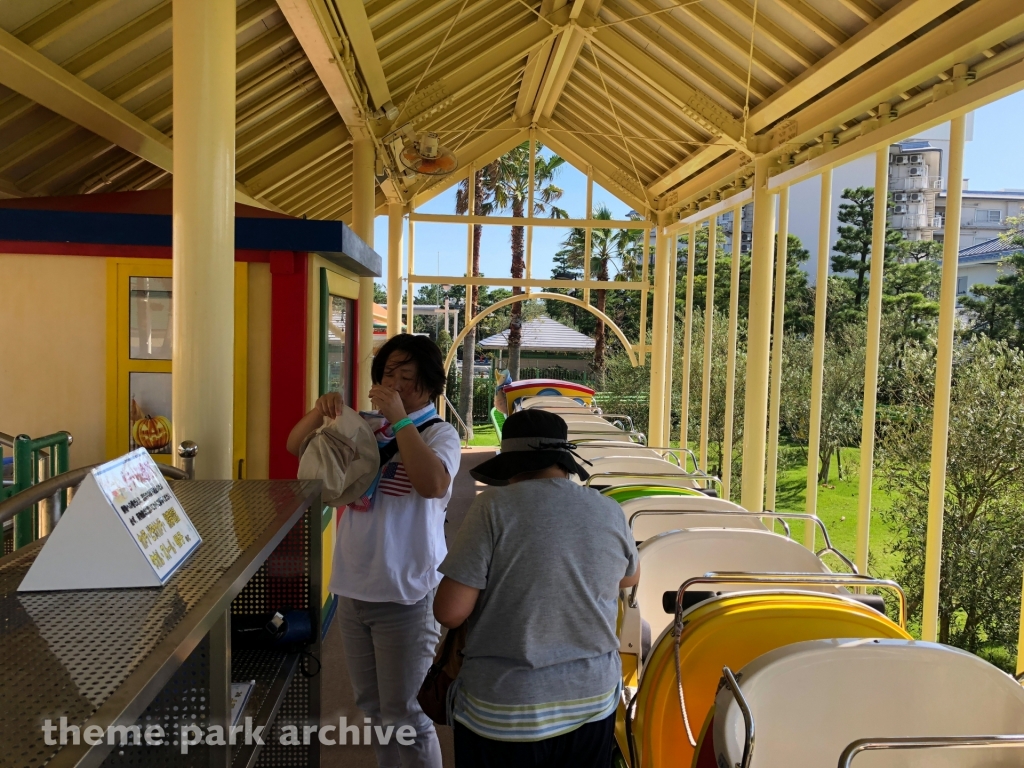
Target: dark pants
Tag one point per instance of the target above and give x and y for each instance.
(589, 746)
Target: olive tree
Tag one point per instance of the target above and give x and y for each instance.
(983, 521)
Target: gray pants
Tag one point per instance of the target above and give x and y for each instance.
(389, 648)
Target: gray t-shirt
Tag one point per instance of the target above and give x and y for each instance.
(548, 555)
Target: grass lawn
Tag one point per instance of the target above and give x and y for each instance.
(483, 434)
(837, 508)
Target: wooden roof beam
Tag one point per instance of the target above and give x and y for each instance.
(474, 69)
(563, 59)
(536, 65)
(360, 37)
(967, 34)
(880, 35)
(24, 70)
(698, 107)
(693, 163)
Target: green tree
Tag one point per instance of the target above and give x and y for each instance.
(983, 521)
(998, 310)
(380, 293)
(507, 183)
(482, 206)
(799, 295)
(842, 392)
(910, 300)
(716, 401)
(853, 249)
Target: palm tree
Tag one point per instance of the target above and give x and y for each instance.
(508, 183)
(482, 206)
(607, 246)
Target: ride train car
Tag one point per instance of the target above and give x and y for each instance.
(741, 648)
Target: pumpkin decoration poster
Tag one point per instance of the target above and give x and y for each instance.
(149, 412)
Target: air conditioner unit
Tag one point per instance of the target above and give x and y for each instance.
(900, 160)
(917, 197)
(915, 159)
(917, 171)
(900, 197)
(899, 209)
(745, 237)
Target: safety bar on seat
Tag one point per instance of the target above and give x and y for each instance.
(926, 742)
(775, 579)
(710, 480)
(780, 516)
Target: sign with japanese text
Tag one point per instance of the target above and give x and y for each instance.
(134, 487)
(124, 528)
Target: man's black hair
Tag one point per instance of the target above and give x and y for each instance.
(416, 349)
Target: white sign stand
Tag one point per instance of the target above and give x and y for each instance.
(124, 528)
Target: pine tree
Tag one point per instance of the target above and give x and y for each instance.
(853, 249)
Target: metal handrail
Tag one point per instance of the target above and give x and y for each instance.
(454, 411)
(927, 742)
(673, 452)
(748, 717)
(7, 441)
(780, 516)
(574, 433)
(711, 480)
(73, 478)
(789, 580)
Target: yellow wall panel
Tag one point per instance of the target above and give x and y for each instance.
(53, 353)
(257, 432)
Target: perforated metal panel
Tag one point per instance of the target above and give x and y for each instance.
(183, 701)
(66, 653)
(295, 712)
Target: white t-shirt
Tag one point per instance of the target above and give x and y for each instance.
(390, 554)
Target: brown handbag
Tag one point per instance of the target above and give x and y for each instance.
(433, 695)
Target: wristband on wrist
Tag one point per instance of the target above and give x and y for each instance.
(401, 423)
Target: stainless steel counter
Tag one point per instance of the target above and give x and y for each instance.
(117, 657)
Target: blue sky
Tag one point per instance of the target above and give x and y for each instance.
(993, 160)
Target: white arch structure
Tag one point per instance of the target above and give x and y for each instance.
(450, 358)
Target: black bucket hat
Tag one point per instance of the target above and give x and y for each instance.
(531, 440)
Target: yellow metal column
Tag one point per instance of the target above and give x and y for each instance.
(759, 317)
(203, 299)
(587, 234)
(778, 329)
(670, 335)
(659, 327)
(943, 374)
(409, 304)
(645, 279)
(730, 362)
(363, 183)
(867, 430)
(684, 389)
(395, 224)
(529, 208)
(818, 363)
(709, 317)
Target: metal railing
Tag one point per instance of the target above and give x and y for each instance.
(34, 461)
(926, 742)
(64, 485)
(455, 412)
(915, 182)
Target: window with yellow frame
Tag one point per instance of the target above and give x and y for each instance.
(139, 372)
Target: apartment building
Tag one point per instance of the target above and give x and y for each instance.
(984, 214)
(915, 181)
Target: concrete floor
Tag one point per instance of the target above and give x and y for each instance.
(337, 688)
